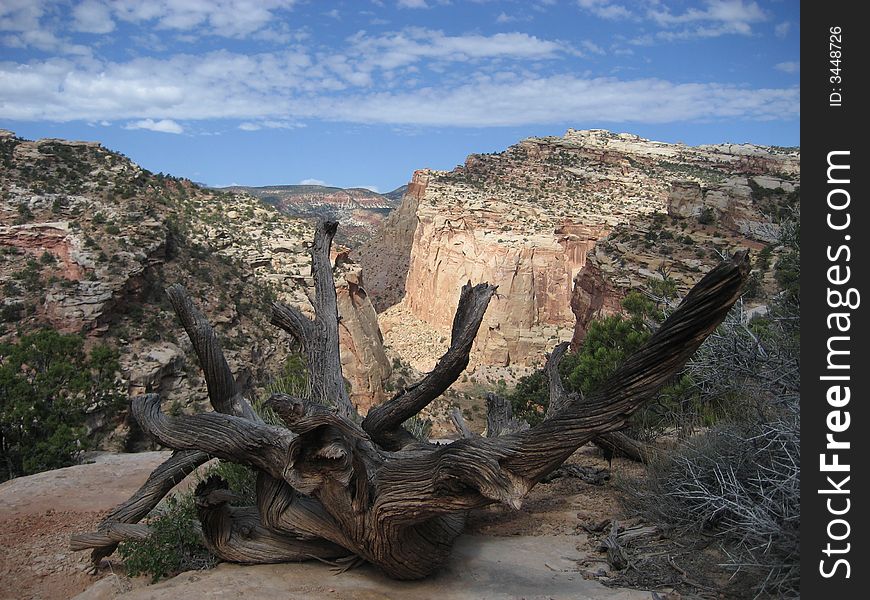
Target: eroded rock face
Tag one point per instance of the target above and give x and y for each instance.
(363, 360)
(593, 296)
(385, 258)
(533, 275)
(525, 219)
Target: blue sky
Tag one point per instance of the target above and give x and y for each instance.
(362, 92)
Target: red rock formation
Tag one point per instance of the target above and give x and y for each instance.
(38, 238)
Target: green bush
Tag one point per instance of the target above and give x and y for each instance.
(174, 544)
(48, 383)
(740, 480)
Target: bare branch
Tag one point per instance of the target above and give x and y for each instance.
(383, 422)
(222, 389)
(500, 418)
(232, 438)
(558, 397)
(459, 423)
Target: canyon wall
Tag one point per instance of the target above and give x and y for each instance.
(385, 258)
(531, 310)
(526, 218)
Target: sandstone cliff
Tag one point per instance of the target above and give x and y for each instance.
(385, 258)
(526, 218)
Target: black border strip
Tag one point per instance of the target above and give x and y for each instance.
(832, 121)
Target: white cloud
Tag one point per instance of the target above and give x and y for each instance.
(227, 18)
(412, 4)
(92, 17)
(393, 50)
(566, 98)
(371, 188)
(716, 11)
(414, 77)
(788, 67)
(312, 182)
(781, 30)
(605, 9)
(163, 125)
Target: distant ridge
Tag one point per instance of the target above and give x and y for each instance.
(359, 210)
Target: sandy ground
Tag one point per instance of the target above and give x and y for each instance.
(38, 514)
(541, 551)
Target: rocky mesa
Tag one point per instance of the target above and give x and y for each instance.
(527, 218)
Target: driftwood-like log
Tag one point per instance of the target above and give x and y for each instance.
(459, 423)
(331, 486)
(500, 418)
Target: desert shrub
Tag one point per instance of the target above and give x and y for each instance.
(292, 379)
(740, 480)
(706, 216)
(419, 427)
(175, 543)
(530, 398)
(48, 384)
(10, 313)
(608, 342)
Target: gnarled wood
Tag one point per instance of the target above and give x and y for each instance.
(336, 487)
(558, 396)
(500, 418)
(223, 392)
(225, 397)
(459, 423)
(238, 535)
(614, 442)
(319, 337)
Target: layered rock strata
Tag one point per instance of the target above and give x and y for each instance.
(526, 218)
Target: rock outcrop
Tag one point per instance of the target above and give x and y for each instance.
(386, 257)
(526, 218)
(89, 241)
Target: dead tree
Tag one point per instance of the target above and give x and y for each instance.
(333, 485)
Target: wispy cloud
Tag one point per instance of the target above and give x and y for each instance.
(788, 67)
(163, 125)
(605, 9)
(92, 16)
(412, 4)
(781, 30)
(312, 182)
(269, 90)
(716, 18)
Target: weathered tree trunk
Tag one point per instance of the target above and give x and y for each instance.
(330, 485)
